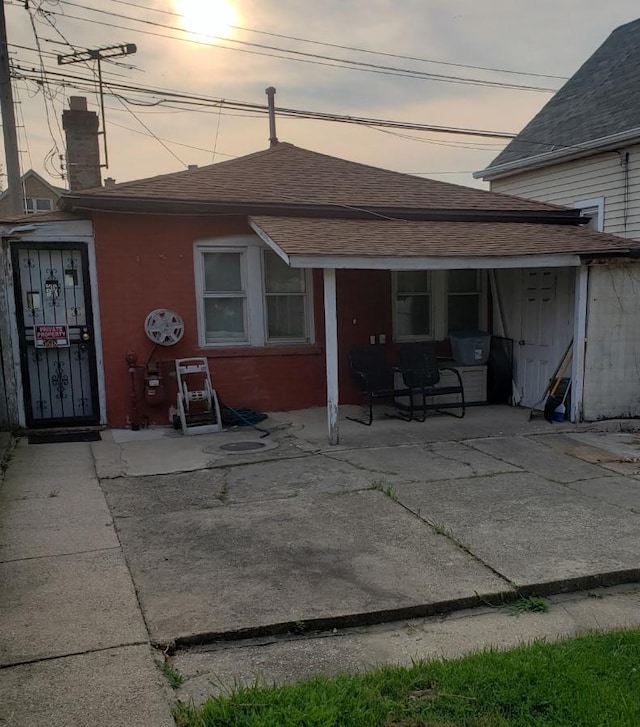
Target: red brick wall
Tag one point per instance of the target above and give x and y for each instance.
(146, 262)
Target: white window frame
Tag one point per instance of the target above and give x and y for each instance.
(440, 306)
(308, 306)
(34, 201)
(595, 203)
(252, 250)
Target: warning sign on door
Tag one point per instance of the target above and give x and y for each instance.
(51, 336)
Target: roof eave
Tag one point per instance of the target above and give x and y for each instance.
(605, 143)
(94, 203)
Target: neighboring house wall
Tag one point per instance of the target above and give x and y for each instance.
(612, 356)
(600, 175)
(33, 189)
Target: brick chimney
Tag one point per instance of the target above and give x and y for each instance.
(83, 152)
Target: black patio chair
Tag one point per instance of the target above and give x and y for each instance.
(421, 372)
(374, 377)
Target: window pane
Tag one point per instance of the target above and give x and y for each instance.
(280, 278)
(43, 205)
(224, 319)
(464, 312)
(413, 315)
(222, 272)
(463, 281)
(413, 281)
(285, 316)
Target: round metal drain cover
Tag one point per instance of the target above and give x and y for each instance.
(241, 446)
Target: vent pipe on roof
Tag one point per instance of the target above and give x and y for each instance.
(271, 92)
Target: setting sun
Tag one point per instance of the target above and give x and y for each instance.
(207, 17)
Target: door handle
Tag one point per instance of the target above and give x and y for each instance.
(84, 334)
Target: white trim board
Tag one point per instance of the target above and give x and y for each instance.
(353, 262)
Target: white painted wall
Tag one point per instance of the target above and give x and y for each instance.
(601, 175)
(612, 356)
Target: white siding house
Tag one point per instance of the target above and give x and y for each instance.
(582, 150)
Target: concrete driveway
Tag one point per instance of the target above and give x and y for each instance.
(400, 519)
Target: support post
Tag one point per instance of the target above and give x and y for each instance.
(579, 342)
(331, 348)
(9, 124)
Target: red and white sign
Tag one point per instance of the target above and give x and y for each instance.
(51, 336)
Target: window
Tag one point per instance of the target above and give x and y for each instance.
(593, 208)
(412, 304)
(429, 304)
(247, 295)
(37, 204)
(286, 300)
(463, 300)
(224, 297)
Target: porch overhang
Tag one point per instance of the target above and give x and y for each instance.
(391, 244)
(400, 244)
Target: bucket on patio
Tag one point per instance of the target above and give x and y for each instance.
(470, 348)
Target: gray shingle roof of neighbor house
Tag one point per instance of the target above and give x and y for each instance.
(600, 100)
(289, 175)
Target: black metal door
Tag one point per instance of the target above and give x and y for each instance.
(55, 324)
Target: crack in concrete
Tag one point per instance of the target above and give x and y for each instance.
(66, 655)
(62, 555)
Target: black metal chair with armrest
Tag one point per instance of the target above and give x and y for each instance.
(421, 372)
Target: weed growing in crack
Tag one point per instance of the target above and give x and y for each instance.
(534, 604)
(171, 674)
(386, 489)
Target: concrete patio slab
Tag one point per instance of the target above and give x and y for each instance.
(535, 456)
(296, 559)
(171, 452)
(310, 426)
(113, 688)
(67, 604)
(621, 491)
(530, 530)
(421, 462)
(217, 668)
(155, 495)
(289, 478)
(37, 470)
(56, 525)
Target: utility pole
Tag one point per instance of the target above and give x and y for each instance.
(9, 123)
(97, 54)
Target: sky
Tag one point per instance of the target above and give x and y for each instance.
(284, 44)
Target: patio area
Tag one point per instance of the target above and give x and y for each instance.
(400, 519)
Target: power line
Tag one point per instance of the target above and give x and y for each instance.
(353, 48)
(195, 99)
(295, 55)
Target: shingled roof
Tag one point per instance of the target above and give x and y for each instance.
(600, 100)
(371, 238)
(289, 175)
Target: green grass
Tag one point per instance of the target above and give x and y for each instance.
(590, 681)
